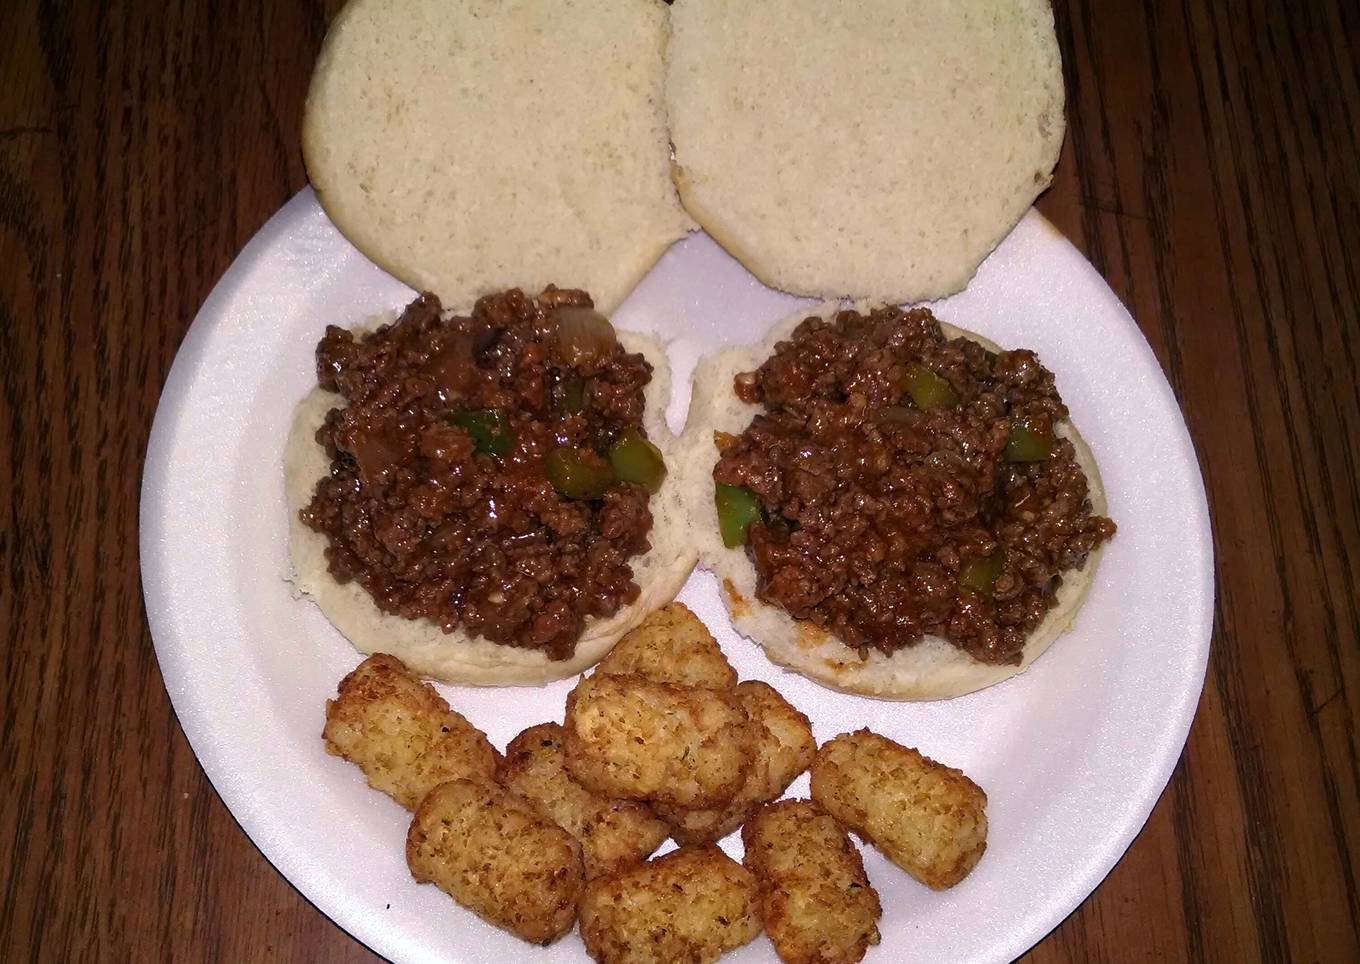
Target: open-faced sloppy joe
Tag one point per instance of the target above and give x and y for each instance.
(488, 472)
(899, 482)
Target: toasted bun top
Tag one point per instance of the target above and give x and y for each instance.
(458, 657)
(863, 148)
(470, 146)
(930, 670)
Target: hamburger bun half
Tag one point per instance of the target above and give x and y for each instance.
(471, 146)
(873, 149)
(930, 670)
(458, 657)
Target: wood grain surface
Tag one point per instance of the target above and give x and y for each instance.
(1212, 175)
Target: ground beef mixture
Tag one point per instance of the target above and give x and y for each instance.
(457, 521)
(893, 504)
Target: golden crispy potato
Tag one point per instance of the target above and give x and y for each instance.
(928, 818)
(492, 852)
(402, 733)
(613, 833)
(784, 748)
(689, 907)
(672, 646)
(816, 901)
(631, 738)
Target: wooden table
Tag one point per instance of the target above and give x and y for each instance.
(1211, 173)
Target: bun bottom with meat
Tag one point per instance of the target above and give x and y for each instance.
(489, 559)
(777, 441)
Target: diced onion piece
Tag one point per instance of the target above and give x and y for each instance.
(583, 335)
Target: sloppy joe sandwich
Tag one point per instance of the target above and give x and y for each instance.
(469, 147)
(487, 497)
(865, 148)
(893, 506)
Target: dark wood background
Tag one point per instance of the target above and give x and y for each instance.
(1211, 173)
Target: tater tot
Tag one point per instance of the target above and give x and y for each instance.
(402, 733)
(613, 833)
(631, 738)
(816, 901)
(928, 818)
(783, 748)
(672, 646)
(492, 852)
(689, 907)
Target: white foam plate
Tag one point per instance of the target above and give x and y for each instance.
(1073, 754)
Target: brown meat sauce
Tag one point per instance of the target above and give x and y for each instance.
(874, 508)
(433, 528)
